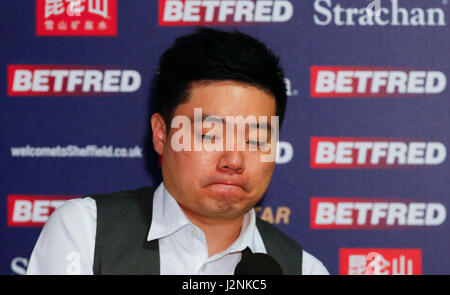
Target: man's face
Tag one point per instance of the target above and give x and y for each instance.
(221, 184)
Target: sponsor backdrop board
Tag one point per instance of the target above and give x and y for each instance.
(362, 175)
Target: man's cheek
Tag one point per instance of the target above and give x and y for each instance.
(262, 174)
(265, 167)
(268, 171)
(194, 165)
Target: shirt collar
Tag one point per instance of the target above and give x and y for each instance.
(168, 218)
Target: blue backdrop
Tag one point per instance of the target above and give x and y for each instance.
(319, 33)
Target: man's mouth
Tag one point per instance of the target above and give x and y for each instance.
(229, 184)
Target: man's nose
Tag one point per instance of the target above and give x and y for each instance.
(232, 162)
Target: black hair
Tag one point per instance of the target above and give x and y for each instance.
(212, 55)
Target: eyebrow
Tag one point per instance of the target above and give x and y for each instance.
(215, 118)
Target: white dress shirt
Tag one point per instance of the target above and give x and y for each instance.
(67, 241)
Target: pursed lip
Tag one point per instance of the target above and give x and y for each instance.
(229, 183)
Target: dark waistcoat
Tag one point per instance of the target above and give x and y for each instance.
(123, 223)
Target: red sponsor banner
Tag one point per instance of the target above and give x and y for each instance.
(356, 81)
(364, 213)
(222, 13)
(352, 152)
(372, 261)
(30, 210)
(76, 17)
(59, 80)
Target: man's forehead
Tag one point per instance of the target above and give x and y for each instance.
(228, 98)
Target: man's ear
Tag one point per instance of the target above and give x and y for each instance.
(159, 132)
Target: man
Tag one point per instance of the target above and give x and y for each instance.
(200, 219)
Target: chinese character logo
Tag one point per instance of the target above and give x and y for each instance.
(354, 261)
(76, 17)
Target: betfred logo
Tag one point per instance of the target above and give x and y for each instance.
(347, 81)
(223, 12)
(361, 261)
(343, 152)
(359, 213)
(76, 17)
(48, 80)
(26, 210)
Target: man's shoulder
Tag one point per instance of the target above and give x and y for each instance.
(121, 201)
(121, 195)
(312, 265)
(88, 204)
(87, 208)
(73, 212)
(280, 246)
(266, 227)
(283, 243)
(124, 208)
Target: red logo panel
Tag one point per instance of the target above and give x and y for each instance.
(58, 80)
(26, 210)
(360, 213)
(363, 261)
(76, 17)
(352, 81)
(222, 13)
(348, 152)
